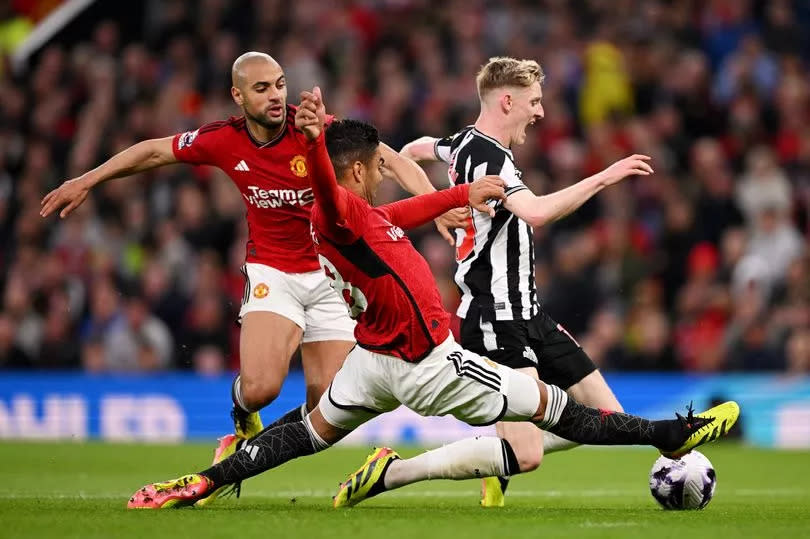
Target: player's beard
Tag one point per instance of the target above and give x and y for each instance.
(264, 121)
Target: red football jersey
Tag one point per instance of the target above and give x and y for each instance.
(273, 180)
(386, 283)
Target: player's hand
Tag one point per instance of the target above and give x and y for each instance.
(485, 189)
(455, 218)
(311, 115)
(635, 165)
(67, 196)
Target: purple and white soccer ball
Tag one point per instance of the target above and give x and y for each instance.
(685, 483)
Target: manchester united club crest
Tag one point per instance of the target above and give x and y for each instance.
(298, 165)
(260, 290)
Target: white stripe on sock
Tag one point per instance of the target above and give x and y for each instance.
(237, 394)
(557, 399)
(317, 442)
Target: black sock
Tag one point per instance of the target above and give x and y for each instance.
(270, 448)
(585, 425)
(296, 414)
(510, 461)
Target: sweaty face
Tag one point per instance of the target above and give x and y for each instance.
(526, 110)
(263, 91)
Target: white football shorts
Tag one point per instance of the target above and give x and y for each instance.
(305, 298)
(450, 380)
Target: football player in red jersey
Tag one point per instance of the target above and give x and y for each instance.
(287, 301)
(405, 352)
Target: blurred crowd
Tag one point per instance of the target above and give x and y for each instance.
(704, 266)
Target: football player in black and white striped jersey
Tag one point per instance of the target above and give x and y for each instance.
(502, 318)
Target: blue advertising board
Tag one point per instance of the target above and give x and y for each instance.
(174, 407)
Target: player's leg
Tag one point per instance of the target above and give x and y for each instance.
(273, 321)
(475, 390)
(270, 448)
(329, 336)
(506, 343)
(526, 441)
(561, 414)
(358, 393)
(327, 339)
(467, 386)
(565, 364)
(307, 300)
(266, 342)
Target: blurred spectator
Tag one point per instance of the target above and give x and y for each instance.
(702, 311)
(606, 89)
(763, 185)
(139, 340)
(775, 241)
(11, 355)
(798, 352)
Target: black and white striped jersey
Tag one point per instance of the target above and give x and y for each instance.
(495, 255)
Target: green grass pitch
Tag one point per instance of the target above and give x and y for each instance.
(80, 490)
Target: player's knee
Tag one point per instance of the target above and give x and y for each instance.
(531, 458)
(259, 392)
(528, 450)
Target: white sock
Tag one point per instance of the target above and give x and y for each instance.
(553, 443)
(557, 399)
(317, 442)
(236, 394)
(482, 456)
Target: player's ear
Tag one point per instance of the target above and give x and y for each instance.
(358, 171)
(506, 102)
(236, 94)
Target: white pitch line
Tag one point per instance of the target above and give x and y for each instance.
(607, 524)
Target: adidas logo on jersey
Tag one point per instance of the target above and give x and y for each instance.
(242, 166)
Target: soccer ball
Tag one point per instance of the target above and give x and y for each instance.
(685, 483)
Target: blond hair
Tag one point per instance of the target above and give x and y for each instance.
(502, 71)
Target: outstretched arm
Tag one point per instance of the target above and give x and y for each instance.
(413, 179)
(405, 171)
(140, 157)
(421, 149)
(540, 210)
(416, 211)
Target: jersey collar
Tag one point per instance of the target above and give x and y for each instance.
(494, 141)
(273, 141)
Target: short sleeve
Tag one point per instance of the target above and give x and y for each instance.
(488, 160)
(443, 148)
(196, 147)
(512, 178)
